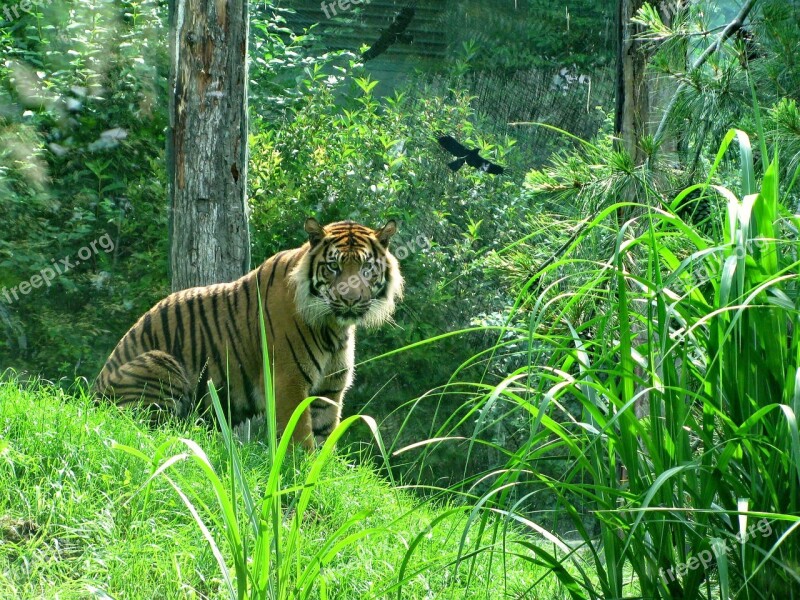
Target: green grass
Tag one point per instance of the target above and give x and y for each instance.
(76, 521)
(659, 453)
(661, 430)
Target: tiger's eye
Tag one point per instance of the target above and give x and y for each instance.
(333, 267)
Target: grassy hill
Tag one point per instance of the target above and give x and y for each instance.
(79, 521)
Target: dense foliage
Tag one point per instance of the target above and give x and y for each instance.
(82, 161)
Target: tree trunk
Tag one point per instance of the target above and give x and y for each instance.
(664, 88)
(633, 101)
(207, 142)
(630, 126)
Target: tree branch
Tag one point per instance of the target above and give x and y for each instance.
(730, 29)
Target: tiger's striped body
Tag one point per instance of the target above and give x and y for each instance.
(314, 297)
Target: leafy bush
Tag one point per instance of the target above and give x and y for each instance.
(83, 111)
(342, 154)
(671, 412)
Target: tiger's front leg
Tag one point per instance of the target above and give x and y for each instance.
(289, 394)
(326, 413)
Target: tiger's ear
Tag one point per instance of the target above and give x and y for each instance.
(314, 230)
(386, 232)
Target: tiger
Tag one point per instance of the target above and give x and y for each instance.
(313, 298)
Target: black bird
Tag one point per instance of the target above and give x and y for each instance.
(465, 155)
(396, 32)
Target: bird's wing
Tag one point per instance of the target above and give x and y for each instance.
(373, 51)
(389, 36)
(456, 164)
(402, 20)
(452, 146)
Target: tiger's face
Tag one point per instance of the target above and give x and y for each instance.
(348, 275)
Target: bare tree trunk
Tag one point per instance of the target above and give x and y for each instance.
(662, 88)
(207, 142)
(631, 120)
(633, 101)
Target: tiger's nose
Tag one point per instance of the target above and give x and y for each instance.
(350, 302)
(352, 293)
